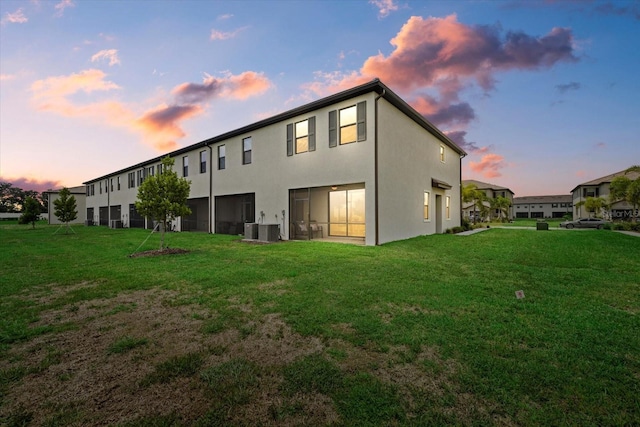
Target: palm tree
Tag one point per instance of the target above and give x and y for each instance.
(501, 204)
(471, 194)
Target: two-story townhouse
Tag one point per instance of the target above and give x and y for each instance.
(600, 188)
(491, 191)
(556, 206)
(360, 165)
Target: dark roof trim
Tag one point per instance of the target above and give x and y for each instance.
(373, 86)
(440, 184)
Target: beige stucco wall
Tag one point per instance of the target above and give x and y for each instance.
(272, 173)
(409, 157)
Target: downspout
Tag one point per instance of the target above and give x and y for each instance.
(375, 150)
(210, 188)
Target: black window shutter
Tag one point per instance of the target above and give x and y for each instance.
(362, 120)
(333, 128)
(290, 140)
(312, 133)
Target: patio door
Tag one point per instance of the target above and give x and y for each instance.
(300, 204)
(347, 213)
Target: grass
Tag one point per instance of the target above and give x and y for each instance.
(566, 354)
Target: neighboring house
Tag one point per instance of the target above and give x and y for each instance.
(360, 165)
(80, 195)
(600, 188)
(491, 191)
(542, 206)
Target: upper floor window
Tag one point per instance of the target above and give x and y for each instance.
(348, 124)
(132, 179)
(442, 153)
(246, 151)
(111, 185)
(100, 187)
(426, 206)
(150, 171)
(203, 161)
(221, 157)
(302, 136)
(159, 169)
(185, 166)
(118, 183)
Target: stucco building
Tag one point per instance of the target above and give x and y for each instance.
(491, 191)
(600, 188)
(360, 165)
(556, 206)
(79, 193)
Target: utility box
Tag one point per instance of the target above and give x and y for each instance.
(268, 232)
(542, 226)
(115, 223)
(88, 222)
(251, 231)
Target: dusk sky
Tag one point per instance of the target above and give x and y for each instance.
(543, 95)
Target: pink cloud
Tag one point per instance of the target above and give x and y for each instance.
(61, 6)
(110, 54)
(17, 17)
(489, 165)
(225, 35)
(240, 86)
(161, 126)
(34, 184)
(385, 7)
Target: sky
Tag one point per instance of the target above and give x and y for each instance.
(542, 95)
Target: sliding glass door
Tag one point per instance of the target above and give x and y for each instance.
(347, 213)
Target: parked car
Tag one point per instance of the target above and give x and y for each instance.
(584, 223)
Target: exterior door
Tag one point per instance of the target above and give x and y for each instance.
(347, 213)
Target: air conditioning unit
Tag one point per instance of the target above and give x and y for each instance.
(115, 223)
(251, 231)
(268, 232)
(88, 222)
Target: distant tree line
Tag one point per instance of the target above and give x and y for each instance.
(14, 199)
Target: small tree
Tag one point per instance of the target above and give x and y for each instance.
(65, 207)
(595, 205)
(30, 212)
(163, 197)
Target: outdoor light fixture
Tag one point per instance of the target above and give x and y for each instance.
(334, 188)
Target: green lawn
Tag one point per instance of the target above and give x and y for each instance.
(426, 331)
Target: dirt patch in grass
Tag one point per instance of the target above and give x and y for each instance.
(159, 252)
(97, 370)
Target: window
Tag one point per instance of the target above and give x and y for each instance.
(159, 169)
(140, 176)
(426, 206)
(246, 151)
(150, 171)
(447, 206)
(100, 187)
(554, 205)
(185, 166)
(304, 134)
(132, 180)
(111, 185)
(203, 161)
(442, 153)
(348, 125)
(221, 157)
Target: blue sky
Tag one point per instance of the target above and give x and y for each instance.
(543, 95)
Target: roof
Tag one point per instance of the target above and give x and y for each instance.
(373, 86)
(562, 198)
(607, 179)
(484, 186)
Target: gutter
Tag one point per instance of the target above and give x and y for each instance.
(375, 165)
(210, 187)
